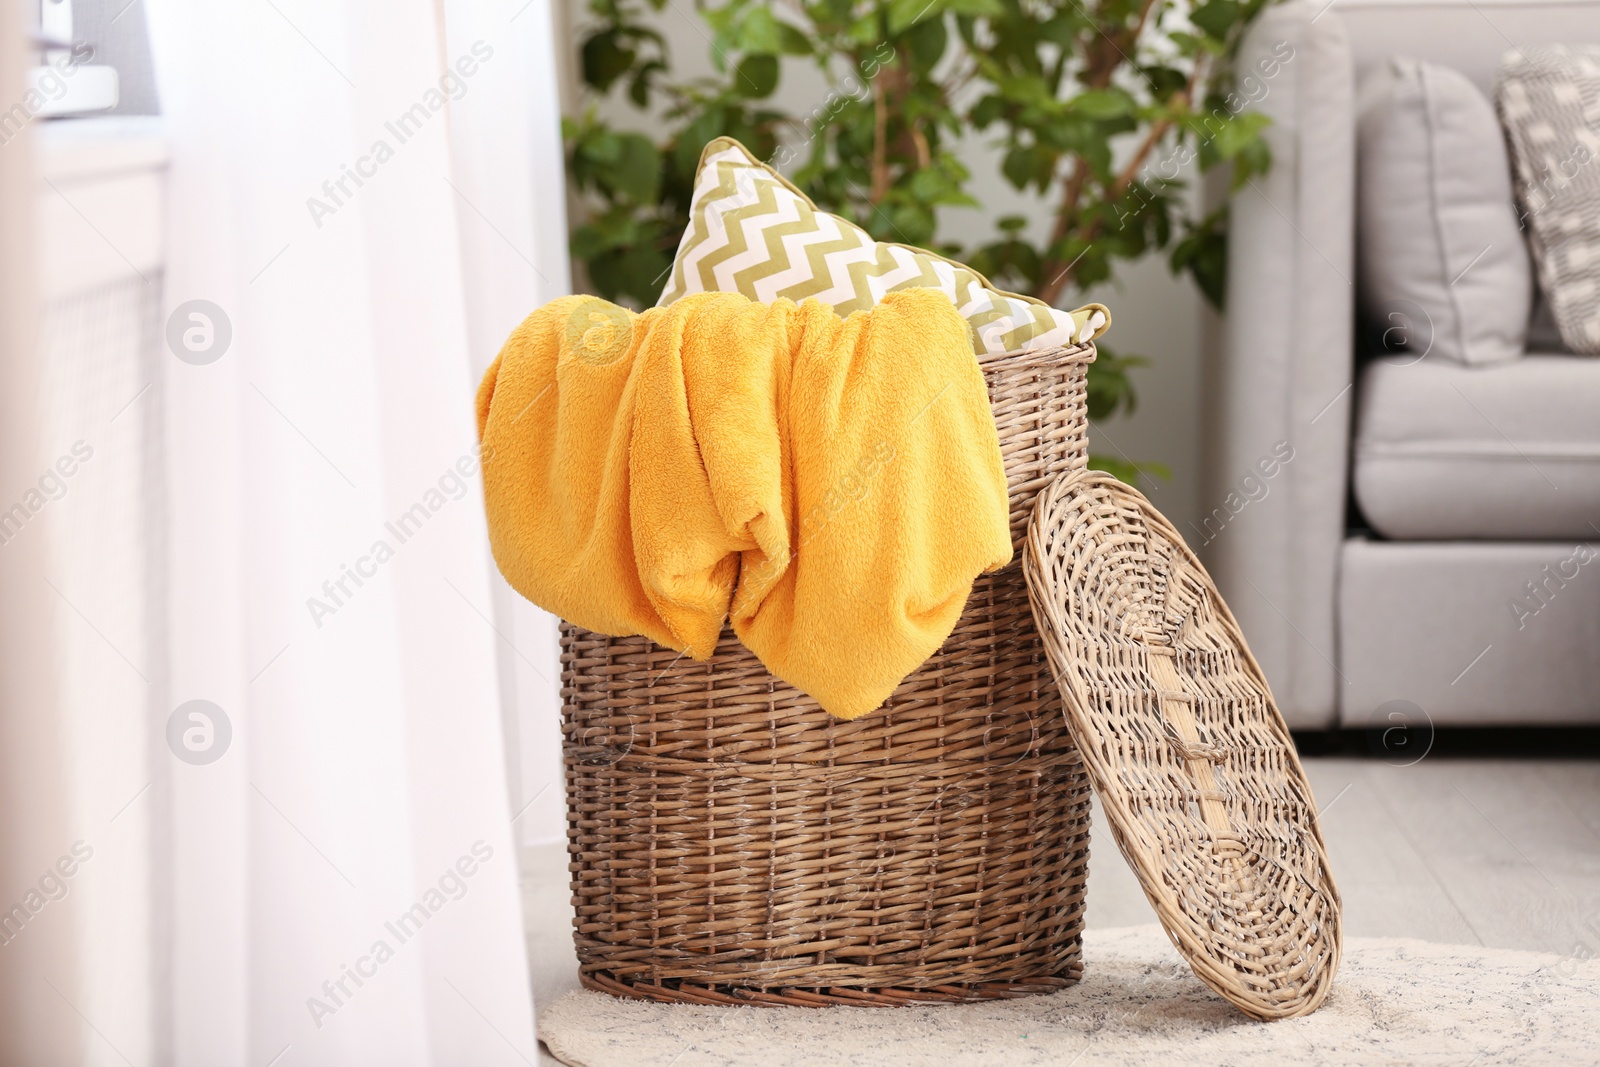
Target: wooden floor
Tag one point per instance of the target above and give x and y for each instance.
(1502, 853)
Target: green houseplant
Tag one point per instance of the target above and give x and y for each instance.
(1097, 106)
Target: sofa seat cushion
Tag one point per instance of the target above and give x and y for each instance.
(1510, 451)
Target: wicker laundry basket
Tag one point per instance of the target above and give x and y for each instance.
(733, 843)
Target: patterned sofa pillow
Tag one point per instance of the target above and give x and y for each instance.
(1549, 102)
(752, 232)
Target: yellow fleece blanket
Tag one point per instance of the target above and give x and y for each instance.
(831, 485)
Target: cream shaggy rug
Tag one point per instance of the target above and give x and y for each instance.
(1407, 1002)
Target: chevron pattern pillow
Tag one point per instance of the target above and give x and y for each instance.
(752, 232)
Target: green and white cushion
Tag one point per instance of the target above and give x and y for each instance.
(752, 232)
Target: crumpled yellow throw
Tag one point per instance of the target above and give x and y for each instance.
(832, 485)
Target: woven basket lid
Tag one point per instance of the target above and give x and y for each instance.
(1193, 763)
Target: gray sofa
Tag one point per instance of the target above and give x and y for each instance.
(1427, 538)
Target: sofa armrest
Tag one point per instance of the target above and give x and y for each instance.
(1277, 452)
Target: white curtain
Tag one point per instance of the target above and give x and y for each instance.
(370, 192)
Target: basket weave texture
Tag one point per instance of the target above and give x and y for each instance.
(731, 842)
(1191, 759)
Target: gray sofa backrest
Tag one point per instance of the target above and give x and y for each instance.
(1465, 35)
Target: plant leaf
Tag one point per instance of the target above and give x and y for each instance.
(1216, 17)
(926, 42)
(987, 111)
(759, 34)
(1103, 104)
(605, 60)
(637, 172)
(904, 14)
(976, 8)
(756, 76)
(792, 42)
